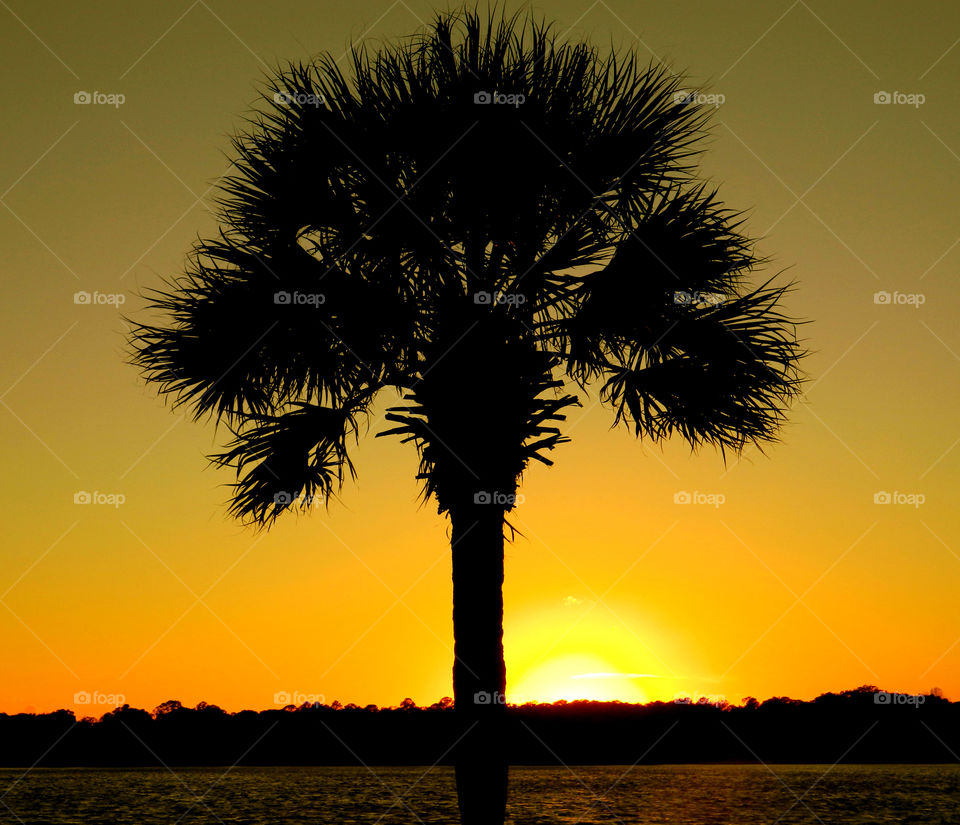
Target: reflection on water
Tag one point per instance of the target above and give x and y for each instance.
(679, 795)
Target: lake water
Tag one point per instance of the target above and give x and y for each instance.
(678, 795)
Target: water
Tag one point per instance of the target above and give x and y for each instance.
(678, 795)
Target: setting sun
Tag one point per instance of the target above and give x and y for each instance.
(578, 649)
(577, 676)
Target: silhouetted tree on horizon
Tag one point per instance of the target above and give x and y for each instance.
(920, 728)
(486, 220)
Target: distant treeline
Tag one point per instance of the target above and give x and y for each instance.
(857, 726)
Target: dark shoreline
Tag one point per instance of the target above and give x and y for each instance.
(854, 727)
(428, 767)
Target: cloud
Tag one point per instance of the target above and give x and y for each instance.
(615, 676)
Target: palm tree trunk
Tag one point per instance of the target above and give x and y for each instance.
(479, 674)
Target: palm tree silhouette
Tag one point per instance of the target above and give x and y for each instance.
(486, 219)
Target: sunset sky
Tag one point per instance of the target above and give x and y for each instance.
(803, 580)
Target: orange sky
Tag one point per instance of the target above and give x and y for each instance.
(798, 583)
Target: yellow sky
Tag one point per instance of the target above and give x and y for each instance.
(796, 584)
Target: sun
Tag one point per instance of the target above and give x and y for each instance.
(577, 676)
(574, 649)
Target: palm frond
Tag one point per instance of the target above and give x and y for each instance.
(719, 374)
(249, 331)
(296, 459)
(480, 212)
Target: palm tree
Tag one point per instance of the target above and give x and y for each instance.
(487, 220)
